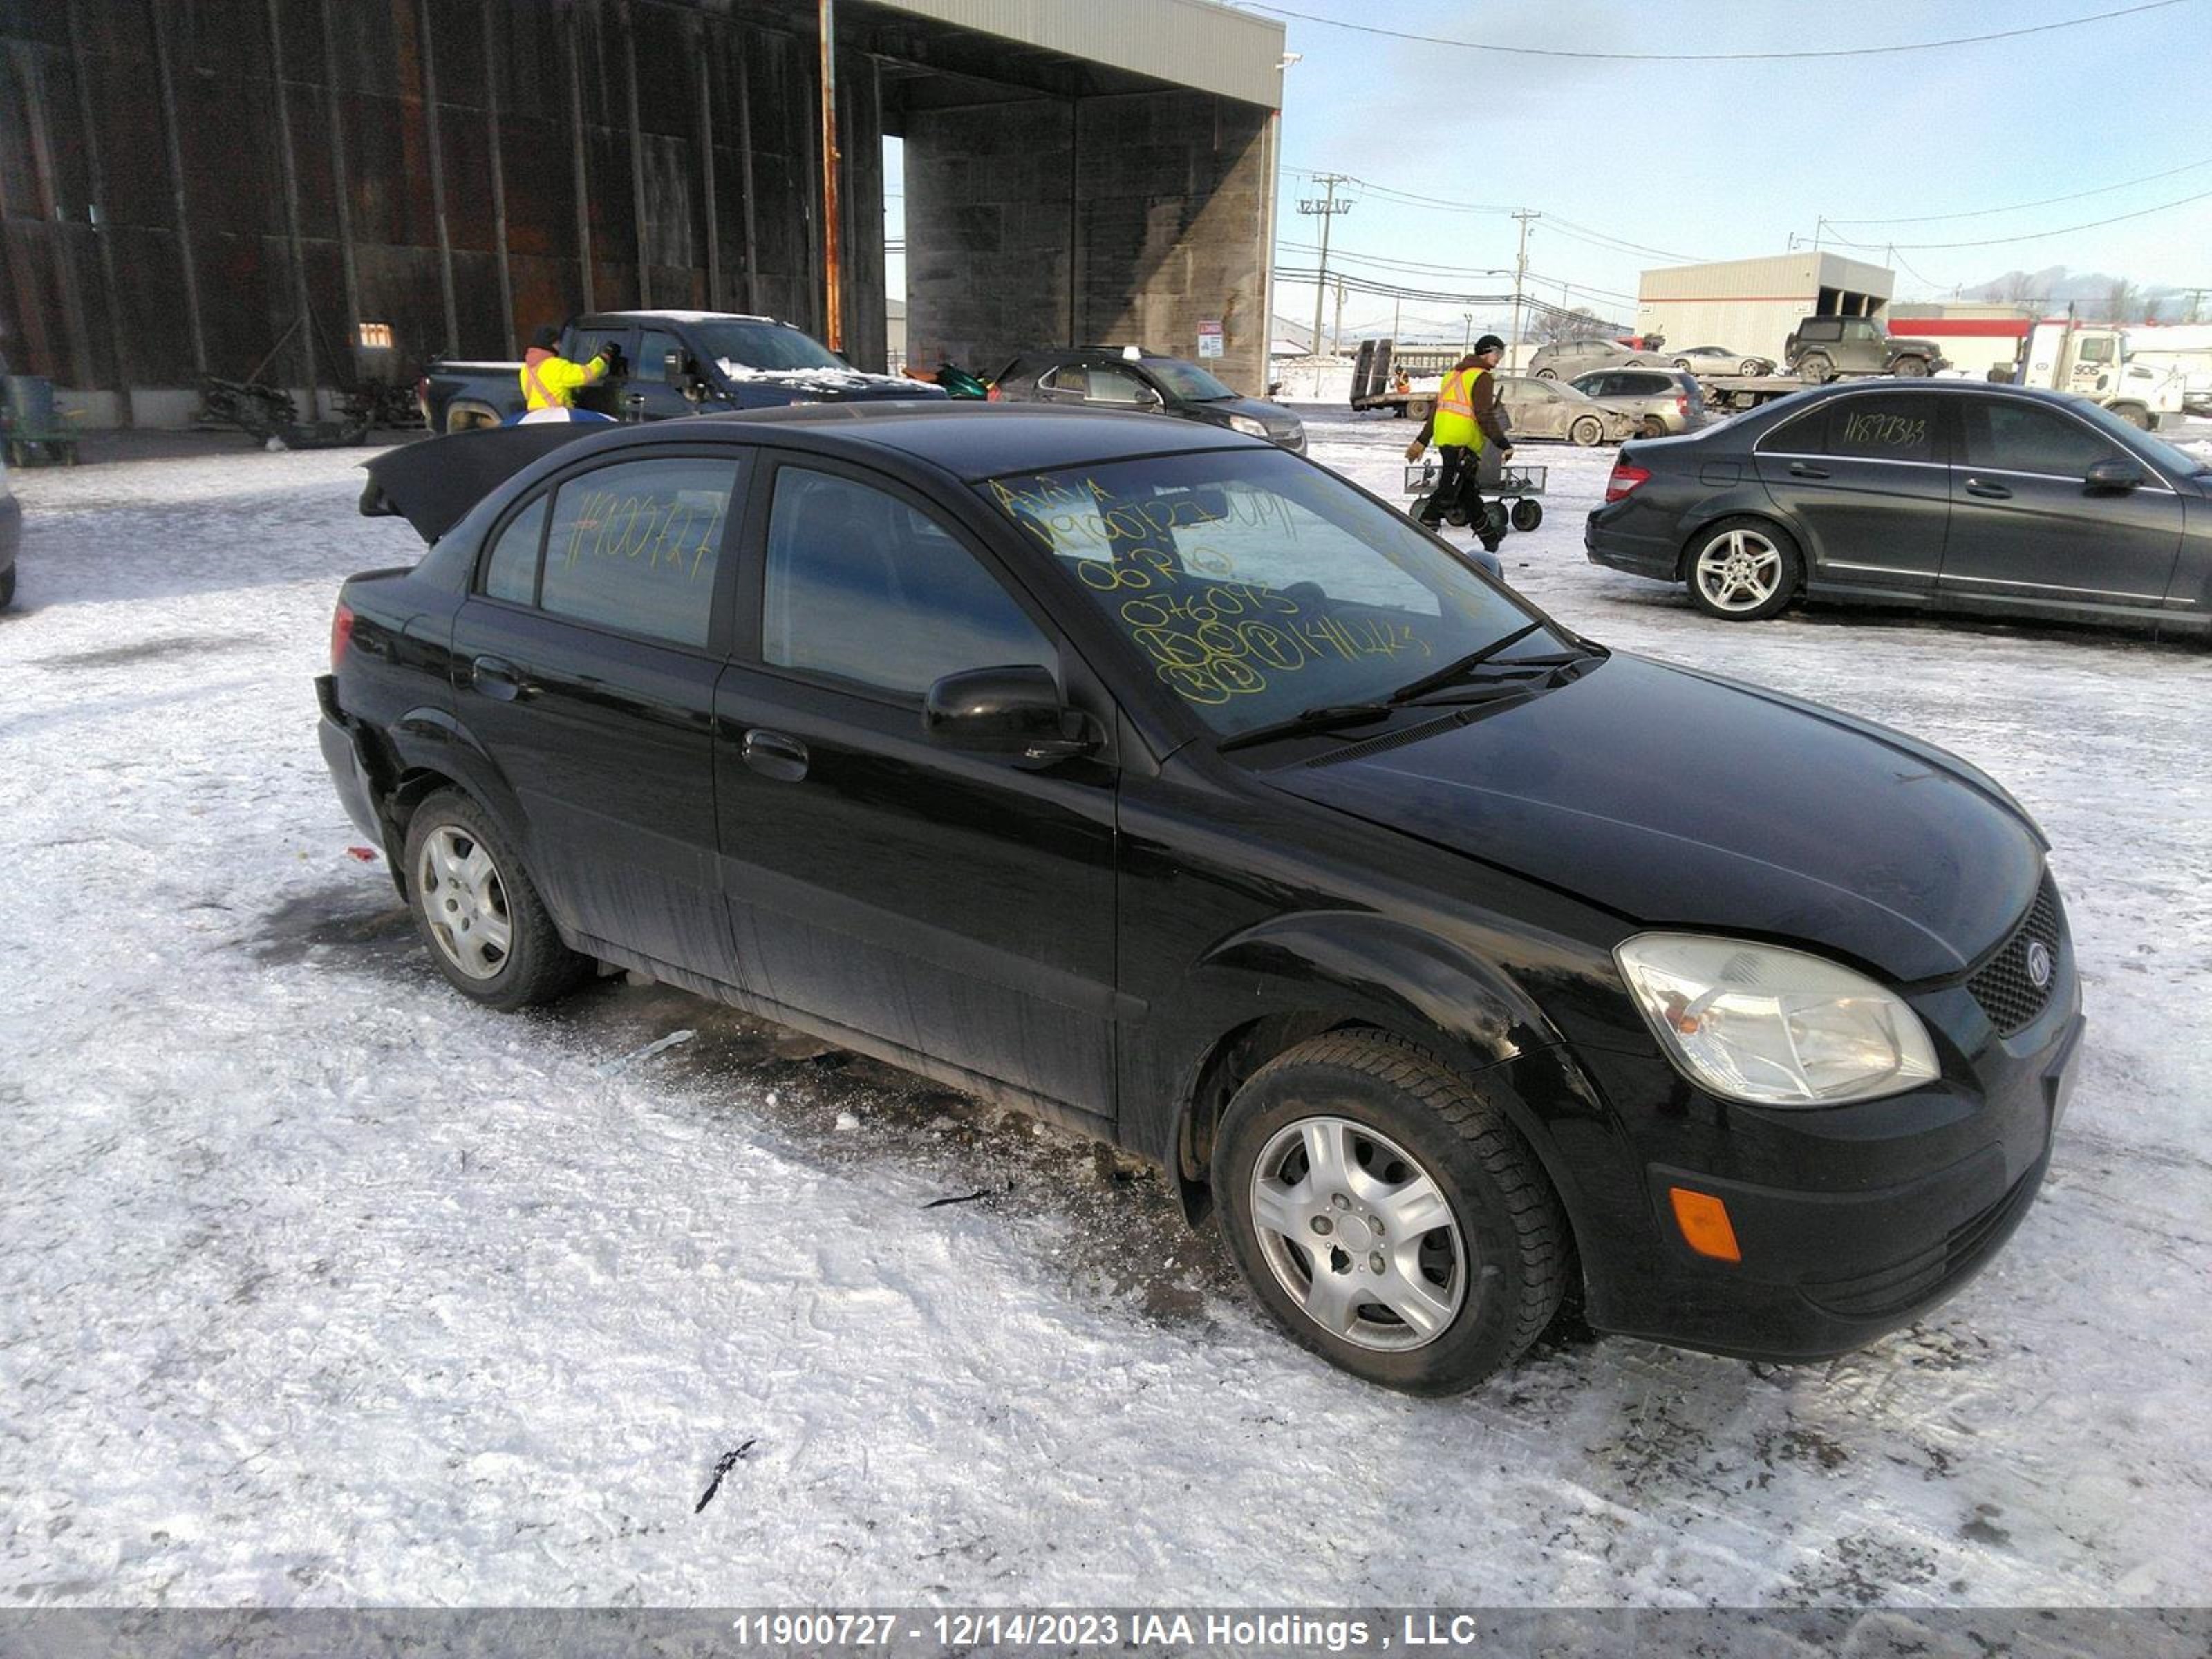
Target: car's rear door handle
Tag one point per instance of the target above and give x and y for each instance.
(1800, 469)
(1988, 491)
(772, 755)
(495, 676)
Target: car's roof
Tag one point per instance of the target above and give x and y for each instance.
(967, 438)
(590, 317)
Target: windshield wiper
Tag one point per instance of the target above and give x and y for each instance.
(1452, 671)
(1325, 718)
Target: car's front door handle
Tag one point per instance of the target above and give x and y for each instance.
(1800, 469)
(1988, 491)
(498, 677)
(772, 755)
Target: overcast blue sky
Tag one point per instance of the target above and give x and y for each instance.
(1724, 160)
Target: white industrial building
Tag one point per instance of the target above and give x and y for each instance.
(1751, 304)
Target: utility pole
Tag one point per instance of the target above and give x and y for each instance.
(2195, 295)
(1336, 327)
(1328, 208)
(1820, 224)
(1468, 334)
(1520, 276)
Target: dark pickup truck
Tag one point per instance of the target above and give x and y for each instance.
(668, 363)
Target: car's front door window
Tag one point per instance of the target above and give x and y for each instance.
(866, 588)
(2010, 435)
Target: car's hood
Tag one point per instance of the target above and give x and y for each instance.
(1676, 799)
(758, 388)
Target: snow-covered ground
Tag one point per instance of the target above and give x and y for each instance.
(317, 1286)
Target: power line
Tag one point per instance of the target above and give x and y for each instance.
(2035, 235)
(1613, 244)
(1717, 56)
(2018, 207)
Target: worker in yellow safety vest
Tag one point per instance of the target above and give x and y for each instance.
(1467, 418)
(550, 382)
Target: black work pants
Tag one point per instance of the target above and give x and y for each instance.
(1457, 488)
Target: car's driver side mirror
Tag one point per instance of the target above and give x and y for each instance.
(1012, 710)
(2114, 476)
(679, 370)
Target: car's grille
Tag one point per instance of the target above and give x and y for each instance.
(2007, 991)
(1888, 1289)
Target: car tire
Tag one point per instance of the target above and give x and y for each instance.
(1751, 367)
(1913, 369)
(1684, 364)
(1586, 432)
(1527, 516)
(1815, 369)
(1547, 373)
(486, 928)
(1743, 570)
(470, 417)
(1361, 1138)
(7, 587)
(2135, 415)
(1653, 426)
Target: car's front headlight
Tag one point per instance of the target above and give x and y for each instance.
(1247, 425)
(1773, 1027)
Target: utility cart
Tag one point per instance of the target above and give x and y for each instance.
(1510, 492)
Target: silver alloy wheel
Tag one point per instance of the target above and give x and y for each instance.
(1739, 570)
(1358, 1234)
(460, 892)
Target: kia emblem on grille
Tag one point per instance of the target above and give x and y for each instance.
(2039, 964)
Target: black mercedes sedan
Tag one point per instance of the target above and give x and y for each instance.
(1170, 787)
(1940, 494)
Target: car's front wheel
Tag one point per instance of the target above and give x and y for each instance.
(476, 910)
(1387, 1215)
(1744, 569)
(1586, 431)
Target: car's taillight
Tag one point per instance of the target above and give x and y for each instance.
(1682, 405)
(341, 635)
(1624, 478)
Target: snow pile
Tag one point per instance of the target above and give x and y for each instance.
(809, 380)
(319, 1286)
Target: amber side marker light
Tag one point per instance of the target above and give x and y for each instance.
(1703, 1221)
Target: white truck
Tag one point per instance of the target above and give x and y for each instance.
(2063, 355)
(2183, 349)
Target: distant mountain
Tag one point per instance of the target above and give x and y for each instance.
(2055, 287)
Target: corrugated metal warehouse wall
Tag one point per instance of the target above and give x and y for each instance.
(181, 179)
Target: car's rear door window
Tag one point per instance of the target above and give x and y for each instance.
(636, 546)
(2008, 434)
(863, 586)
(1873, 426)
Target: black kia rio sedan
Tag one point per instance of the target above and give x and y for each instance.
(1165, 784)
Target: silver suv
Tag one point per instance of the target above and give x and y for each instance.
(1662, 401)
(1824, 348)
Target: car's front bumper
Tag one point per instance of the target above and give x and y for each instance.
(1852, 1221)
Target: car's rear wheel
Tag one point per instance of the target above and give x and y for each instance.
(1744, 569)
(1387, 1215)
(476, 910)
(1816, 370)
(1653, 426)
(7, 587)
(1586, 431)
(1911, 368)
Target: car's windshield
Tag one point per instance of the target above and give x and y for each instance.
(2174, 459)
(764, 346)
(1256, 587)
(1188, 380)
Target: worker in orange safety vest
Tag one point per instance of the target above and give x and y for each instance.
(1466, 419)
